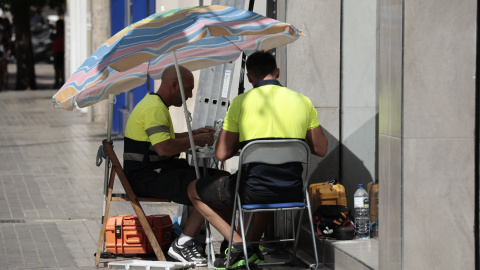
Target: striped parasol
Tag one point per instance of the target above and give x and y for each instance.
(199, 37)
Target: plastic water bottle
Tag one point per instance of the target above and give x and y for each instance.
(362, 218)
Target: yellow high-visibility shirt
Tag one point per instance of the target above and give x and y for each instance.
(148, 124)
(150, 121)
(270, 111)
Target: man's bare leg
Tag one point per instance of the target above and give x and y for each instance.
(260, 223)
(213, 216)
(183, 248)
(194, 221)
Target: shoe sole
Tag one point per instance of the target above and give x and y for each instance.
(179, 257)
(234, 266)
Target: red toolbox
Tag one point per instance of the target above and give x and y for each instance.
(124, 234)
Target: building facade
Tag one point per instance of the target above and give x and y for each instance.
(394, 85)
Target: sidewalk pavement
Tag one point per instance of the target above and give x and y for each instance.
(44, 76)
(51, 191)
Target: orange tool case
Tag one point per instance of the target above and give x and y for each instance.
(124, 234)
(327, 193)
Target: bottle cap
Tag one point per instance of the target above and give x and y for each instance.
(360, 185)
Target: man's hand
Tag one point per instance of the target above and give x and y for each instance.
(203, 130)
(170, 147)
(203, 136)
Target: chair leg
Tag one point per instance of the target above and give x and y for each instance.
(101, 237)
(313, 235)
(232, 227)
(242, 234)
(296, 236)
(209, 242)
(312, 232)
(294, 233)
(148, 230)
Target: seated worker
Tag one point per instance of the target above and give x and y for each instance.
(269, 111)
(151, 150)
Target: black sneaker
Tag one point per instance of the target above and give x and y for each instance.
(237, 259)
(187, 252)
(258, 250)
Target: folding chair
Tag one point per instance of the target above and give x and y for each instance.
(273, 152)
(128, 196)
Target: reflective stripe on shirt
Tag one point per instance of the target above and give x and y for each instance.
(157, 129)
(139, 157)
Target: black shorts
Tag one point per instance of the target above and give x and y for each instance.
(171, 183)
(217, 192)
(220, 193)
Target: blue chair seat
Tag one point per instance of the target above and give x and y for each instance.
(272, 205)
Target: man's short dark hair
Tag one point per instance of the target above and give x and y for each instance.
(261, 64)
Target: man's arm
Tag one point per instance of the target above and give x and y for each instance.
(195, 132)
(227, 145)
(172, 147)
(176, 146)
(317, 141)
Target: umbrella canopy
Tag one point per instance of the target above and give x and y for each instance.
(200, 37)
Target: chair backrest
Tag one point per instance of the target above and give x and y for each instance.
(275, 152)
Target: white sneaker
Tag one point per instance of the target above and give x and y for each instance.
(187, 253)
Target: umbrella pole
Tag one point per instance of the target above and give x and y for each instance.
(187, 116)
(210, 254)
